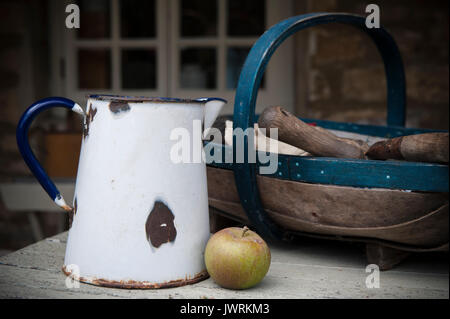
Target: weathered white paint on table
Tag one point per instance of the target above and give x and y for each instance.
(309, 269)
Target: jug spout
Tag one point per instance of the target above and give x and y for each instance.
(213, 106)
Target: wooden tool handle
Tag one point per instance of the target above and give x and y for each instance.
(315, 140)
(428, 147)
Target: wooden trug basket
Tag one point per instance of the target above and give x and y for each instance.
(394, 207)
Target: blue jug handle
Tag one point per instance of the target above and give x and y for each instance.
(24, 146)
(249, 82)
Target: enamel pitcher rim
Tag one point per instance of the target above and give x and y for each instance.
(143, 99)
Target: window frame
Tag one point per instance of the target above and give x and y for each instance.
(280, 66)
(116, 44)
(279, 76)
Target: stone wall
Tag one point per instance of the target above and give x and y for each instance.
(345, 78)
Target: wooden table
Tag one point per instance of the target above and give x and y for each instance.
(309, 269)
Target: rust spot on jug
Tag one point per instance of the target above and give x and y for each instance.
(73, 212)
(133, 284)
(119, 106)
(89, 118)
(160, 228)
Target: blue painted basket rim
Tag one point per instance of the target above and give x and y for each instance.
(143, 99)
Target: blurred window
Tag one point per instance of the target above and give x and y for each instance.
(179, 48)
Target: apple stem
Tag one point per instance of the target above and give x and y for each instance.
(244, 230)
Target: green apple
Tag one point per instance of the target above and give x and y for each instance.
(237, 258)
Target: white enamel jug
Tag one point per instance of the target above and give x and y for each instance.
(139, 219)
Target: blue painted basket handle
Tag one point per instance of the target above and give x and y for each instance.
(24, 146)
(249, 82)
